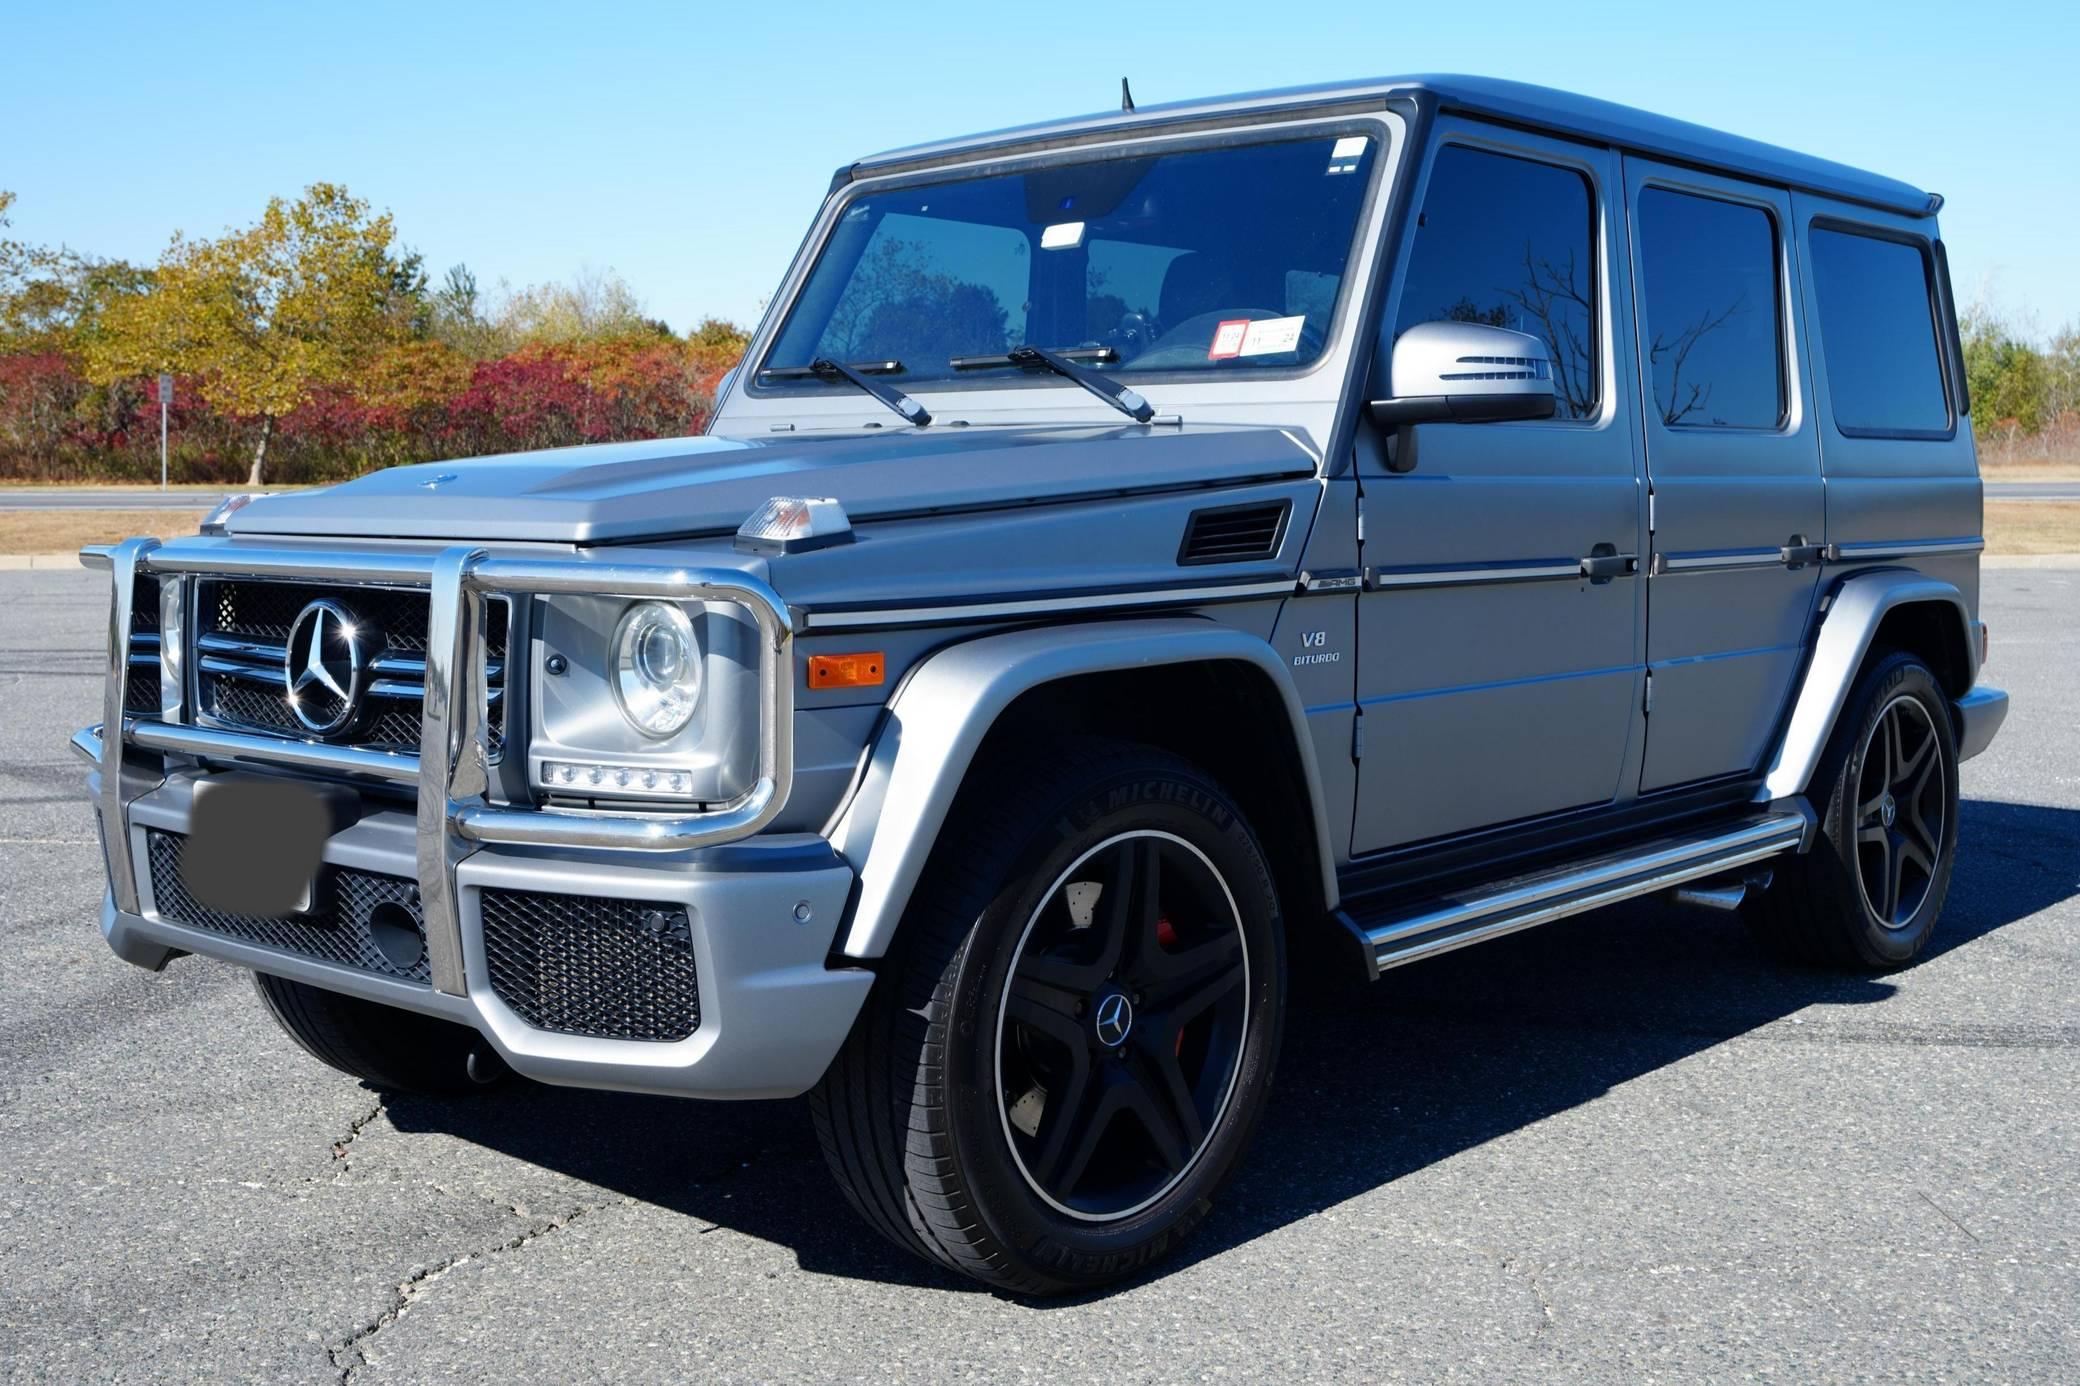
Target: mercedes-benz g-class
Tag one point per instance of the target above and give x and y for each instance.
(1390, 514)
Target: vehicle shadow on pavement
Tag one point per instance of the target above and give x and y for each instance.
(1373, 1083)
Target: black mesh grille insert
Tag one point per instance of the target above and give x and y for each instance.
(345, 929)
(580, 965)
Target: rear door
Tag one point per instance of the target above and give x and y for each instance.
(1733, 462)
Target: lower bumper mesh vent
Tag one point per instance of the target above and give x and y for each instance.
(363, 921)
(580, 965)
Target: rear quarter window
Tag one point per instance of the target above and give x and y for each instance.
(1876, 299)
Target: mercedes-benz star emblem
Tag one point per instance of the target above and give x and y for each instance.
(322, 667)
(1113, 1019)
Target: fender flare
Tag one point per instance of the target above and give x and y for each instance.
(1849, 623)
(942, 711)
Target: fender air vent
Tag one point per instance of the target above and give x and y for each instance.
(1234, 533)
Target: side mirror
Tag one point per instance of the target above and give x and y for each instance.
(1466, 372)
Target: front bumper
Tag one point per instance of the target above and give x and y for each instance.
(761, 910)
(763, 914)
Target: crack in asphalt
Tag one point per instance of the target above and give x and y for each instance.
(1532, 1274)
(341, 1146)
(350, 1354)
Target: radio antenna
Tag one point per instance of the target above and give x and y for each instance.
(1126, 97)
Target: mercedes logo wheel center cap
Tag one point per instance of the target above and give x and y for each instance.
(1113, 1018)
(322, 667)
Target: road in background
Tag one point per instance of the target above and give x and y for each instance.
(1622, 1147)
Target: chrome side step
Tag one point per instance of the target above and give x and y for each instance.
(1402, 932)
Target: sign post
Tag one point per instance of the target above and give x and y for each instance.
(165, 405)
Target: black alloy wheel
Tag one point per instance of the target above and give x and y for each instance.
(1901, 805)
(1120, 1033)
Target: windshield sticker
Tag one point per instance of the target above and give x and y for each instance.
(1227, 339)
(1063, 235)
(1344, 157)
(1269, 335)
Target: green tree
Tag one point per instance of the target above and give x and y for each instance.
(51, 296)
(2009, 384)
(265, 316)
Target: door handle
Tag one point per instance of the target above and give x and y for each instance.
(1604, 562)
(1798, 553)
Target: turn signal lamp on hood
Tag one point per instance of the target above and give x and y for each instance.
(795, 524)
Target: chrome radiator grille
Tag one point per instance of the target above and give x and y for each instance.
(243, 630)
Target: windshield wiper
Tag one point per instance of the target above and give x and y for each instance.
(823, 368)
(1128, 402)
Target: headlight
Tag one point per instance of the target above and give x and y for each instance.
(657, 668)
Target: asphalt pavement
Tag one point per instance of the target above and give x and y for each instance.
(1620, 1148)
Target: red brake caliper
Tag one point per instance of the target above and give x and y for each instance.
(1166, 937)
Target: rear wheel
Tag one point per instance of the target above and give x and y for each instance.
(389, 1049)
(1066, 1057)
(1869, 892)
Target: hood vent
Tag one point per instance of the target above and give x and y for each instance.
(1234, 533)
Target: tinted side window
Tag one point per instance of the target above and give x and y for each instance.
(1510, 242)
(1878, 333)
(1708, 280)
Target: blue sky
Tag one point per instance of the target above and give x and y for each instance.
(686, 147)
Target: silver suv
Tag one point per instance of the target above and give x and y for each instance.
(1371, 518)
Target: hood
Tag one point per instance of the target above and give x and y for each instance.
(704, 486)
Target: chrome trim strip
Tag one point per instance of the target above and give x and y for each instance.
(1036, 606)
(454, 758)
(239, 648)
(307, 565)
(623, 832)
(233, 669)
(173, 650)
(1381, 578)
(1907, 548)
(123, 562)
(1744, 558)
(209, 743)
(1617, 878)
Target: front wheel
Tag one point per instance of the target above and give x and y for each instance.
(1065, 1059)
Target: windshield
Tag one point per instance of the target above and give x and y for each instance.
(1221, 259)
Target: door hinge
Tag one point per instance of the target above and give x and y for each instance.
(1358, 736)
(1361, 519)
(1650, 512)
(1648, 705)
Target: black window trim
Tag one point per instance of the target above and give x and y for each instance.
(1780, 271)
(1949, 353)
(1470, 137)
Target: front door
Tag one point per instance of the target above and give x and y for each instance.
(1733, 459)
(1497, 683)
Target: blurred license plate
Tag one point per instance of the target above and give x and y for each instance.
(254, 845)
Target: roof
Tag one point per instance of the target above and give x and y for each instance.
(1584, 117)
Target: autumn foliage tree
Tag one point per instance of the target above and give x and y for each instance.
(266, 317)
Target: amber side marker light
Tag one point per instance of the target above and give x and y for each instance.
(846, 670)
